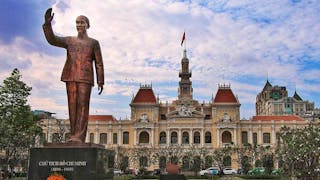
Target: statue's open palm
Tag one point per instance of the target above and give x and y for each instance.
(48, 16)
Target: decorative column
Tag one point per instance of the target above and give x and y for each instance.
(120, 136)
(152, 136)
(49, 132)
(168, 137)
(273, 138)
(179, 137)
(87, 137)
(109, 135)
(96, 134)
(218, 137)
(201, 138)
(190, 137)
(260, 135)
(250, 135)
(135, 136)
(235, 136)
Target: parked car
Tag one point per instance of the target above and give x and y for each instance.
(132, 172)
(156, 172)
(240, 171)
(117, 172)
(211, 170)
(257, 170)
(229, 171)
(276, 172)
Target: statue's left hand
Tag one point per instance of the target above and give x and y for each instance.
(100, 89)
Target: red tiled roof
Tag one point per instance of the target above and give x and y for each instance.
(277, 118)
(101, 118)
(144, 95)
(225, 95)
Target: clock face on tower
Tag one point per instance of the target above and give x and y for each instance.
(276, 95)
(226, 117)
(144, 118)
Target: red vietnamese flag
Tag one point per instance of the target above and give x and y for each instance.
(183, 37)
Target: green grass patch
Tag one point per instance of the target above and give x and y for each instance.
(262, 176)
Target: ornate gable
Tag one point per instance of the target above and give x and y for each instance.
(185, 108)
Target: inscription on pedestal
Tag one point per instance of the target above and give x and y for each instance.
(73, 163)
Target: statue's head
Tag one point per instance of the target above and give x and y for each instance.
(82, 23)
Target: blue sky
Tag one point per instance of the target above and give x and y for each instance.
(228, 41)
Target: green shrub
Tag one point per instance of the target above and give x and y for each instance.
(146, 177)
(262, 176)
(124, 177)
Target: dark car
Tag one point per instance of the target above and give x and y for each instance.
(257, 171)
(156, 172)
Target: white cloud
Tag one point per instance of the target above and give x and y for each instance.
(227, 41)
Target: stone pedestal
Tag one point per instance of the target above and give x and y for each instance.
(73, 161)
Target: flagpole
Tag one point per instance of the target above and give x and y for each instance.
(185, 43)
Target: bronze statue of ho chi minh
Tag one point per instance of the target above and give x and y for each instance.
(82, 52)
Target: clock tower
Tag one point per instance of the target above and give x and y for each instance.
(185, 85)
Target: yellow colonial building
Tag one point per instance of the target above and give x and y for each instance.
(183, 131)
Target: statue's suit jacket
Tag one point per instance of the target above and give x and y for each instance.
(81, 54)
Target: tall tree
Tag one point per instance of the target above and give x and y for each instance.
(219, 155)
(299, 153)
(17, 125)
(245, 155)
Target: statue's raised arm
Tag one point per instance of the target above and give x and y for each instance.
(48, 32)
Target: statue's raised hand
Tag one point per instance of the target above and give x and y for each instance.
(48, 16)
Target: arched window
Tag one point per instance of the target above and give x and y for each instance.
(125, 137)
(103, 138)
(143, 161)
(196, 163)
(115, 138)
(174, 160)
(67, 137)
(174, 138)
(91, 138)
(124, 163)
(278, 140)
(266, 138)
(144, 137)
(55, 137)
(207, 137)
(208, 161)
(227, 161)
(196, 138)
(255, 138)
(245, 163)
(42, 138)
(185, 138)
(226, 137)
(162, 162)
(163, 138)
(244, 137)
(267, 160)
(185, 163)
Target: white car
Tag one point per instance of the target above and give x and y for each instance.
(229, 171)
(117, 172)
(211, 170)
